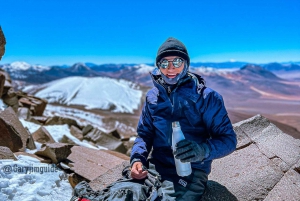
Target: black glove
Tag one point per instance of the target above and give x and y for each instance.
(190, 151)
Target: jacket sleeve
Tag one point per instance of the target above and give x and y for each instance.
(222, 139)
(143, 143)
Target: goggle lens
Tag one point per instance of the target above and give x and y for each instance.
(164, 63)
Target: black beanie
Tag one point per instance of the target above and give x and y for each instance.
(172, 47)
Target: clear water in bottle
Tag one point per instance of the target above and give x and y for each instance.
(182, 169)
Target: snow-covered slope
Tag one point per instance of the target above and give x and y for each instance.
(144, 69)
(93, 93)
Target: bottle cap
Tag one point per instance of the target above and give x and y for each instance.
(175, 124)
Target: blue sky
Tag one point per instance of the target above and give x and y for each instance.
(98, 31)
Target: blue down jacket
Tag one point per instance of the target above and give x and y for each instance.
(200, 112)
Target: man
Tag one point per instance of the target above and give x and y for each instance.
(179, 95)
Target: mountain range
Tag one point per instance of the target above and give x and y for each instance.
(272, 90)
(38, 74)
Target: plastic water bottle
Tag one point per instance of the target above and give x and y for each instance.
(182, 169)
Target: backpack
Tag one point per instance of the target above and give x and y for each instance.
(127, 189)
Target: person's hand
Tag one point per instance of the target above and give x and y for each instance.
(190, 151)
(137, 171)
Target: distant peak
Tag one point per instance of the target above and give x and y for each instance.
(21, 65)
(80, 66)
(257, 71)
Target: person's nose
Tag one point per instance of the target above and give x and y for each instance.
(170, 66)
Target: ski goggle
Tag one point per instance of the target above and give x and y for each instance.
(164, 63)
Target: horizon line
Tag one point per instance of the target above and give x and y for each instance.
(150, 63)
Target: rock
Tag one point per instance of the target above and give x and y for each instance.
(270, 140)
(6, 153)
(253, 126)
(23, 113)
(67, 140)
(38, 119)
(42, 159)
(57, 152)
(35, 104)
(2, 81)
(91, 163)
(117, 154)
(87, 129)
(288, 188)
(296, 167)
(33, 120)
(217, 192)
(116, 134)
(11, 99)
(42, 136)
(108, 177)
(281, 164)
(74, 179)
(30, 141)
(246, 173)
(2, 43)
(76, 132)
(105, 140)
(13, 134)
(55, 120)
(242, 138)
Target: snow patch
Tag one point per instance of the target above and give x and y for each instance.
(28, 179)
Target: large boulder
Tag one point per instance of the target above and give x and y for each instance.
(12, 133)
(57, 152)
(247, 173)
(264, 166)
(91, 163)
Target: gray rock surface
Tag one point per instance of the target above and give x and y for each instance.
(288, 188)
(247, 173)
(265, 166)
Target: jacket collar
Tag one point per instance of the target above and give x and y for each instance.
(198, 84)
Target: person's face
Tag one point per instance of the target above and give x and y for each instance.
(171, 71)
